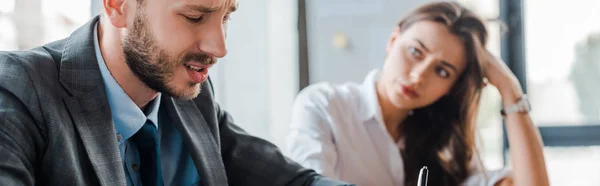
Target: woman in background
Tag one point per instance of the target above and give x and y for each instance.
(418, 110)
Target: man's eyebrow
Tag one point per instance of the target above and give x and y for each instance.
(206, 9)
(200, 8)
(233, 7)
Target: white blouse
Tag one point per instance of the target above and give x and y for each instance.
(338, 131)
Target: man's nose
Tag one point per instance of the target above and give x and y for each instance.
(212, 41)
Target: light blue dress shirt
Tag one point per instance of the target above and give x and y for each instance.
(176, 162)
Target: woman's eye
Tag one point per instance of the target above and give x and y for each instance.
(442, 72)
(415, 52)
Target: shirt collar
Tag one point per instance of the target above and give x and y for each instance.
(127, 116)
(371, 108)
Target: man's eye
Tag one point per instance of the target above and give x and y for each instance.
(194, 19)
(226, 18)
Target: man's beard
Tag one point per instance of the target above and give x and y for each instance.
(153, 65)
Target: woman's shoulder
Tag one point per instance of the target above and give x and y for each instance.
(328, 94)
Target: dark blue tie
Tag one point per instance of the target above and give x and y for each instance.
(146, 140)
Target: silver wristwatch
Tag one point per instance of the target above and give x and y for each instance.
(522, 106)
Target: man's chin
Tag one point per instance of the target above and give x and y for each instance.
(188, 93)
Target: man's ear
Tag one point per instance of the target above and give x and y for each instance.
(115, 11)
(393, 37)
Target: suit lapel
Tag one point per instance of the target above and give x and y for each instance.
(198, 139)
(88, 105)
(92, 118)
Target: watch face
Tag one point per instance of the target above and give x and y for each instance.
(522, 106)
(525, 105)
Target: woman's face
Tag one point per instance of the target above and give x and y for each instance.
(422, 64)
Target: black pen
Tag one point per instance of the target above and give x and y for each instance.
(423, 176)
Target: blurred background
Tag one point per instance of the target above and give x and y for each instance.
(278, 47)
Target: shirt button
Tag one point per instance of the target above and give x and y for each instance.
(119, 137)
(135, 167)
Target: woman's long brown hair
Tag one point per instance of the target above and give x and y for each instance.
(441, 135)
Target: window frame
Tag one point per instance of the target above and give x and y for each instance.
(513, 53)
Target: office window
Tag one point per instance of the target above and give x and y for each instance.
(62, 17)
(573, 165)
(562, 55)
(30, 23)
(552, 47)
(563, 61)
(8, 31)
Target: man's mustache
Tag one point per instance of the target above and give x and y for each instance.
(199, 57)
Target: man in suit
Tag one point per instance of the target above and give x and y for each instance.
(126, 100)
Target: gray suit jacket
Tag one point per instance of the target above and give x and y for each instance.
(56, 126)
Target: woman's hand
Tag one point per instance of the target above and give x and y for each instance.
(499, 75)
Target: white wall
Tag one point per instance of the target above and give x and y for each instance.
(283, 65)
(258, 79)
(28, 19)
(367, 24)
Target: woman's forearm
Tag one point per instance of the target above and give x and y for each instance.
(526, 148)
